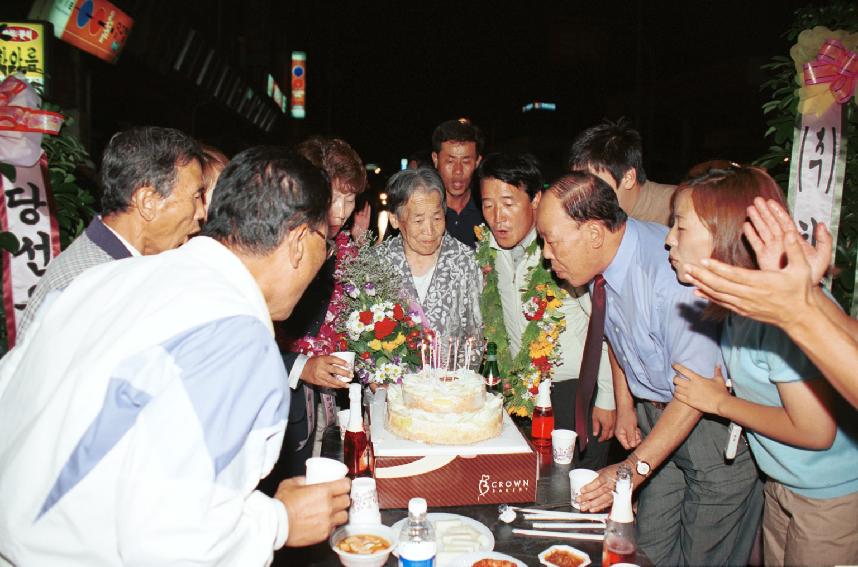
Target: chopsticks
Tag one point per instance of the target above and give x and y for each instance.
(573, 516)
(570, 526)
(560, 535)
(551, 528)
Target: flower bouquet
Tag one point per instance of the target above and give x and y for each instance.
(377, 324)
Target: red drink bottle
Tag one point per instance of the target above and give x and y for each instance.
(620, 545)
(543, 416)
(356, 443)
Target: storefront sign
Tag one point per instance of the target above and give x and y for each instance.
(95, 26)
(299, 81)
(23, 49)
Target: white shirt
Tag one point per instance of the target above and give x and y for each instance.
(421, 283)
(136, 425)
(576, 309)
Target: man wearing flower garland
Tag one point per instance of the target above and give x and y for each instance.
(537, 324)
(695, 508)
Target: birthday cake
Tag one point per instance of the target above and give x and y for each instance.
(446, 407)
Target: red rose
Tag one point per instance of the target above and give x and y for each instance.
(365, 317)
(365, 356)
(384, 327)
(542, 363)
(398, 313)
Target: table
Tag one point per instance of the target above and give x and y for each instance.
(552, 487)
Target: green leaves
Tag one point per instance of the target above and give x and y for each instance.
(9, 242)
(8, 171)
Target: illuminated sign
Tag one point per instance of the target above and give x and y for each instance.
(95, 26)
(299, 80)
(549, 106)
(23, 50)
(273, 90)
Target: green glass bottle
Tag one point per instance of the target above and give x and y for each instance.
(490, 371)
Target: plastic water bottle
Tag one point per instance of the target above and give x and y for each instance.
(417, 545)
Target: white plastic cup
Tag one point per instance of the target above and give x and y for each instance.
(578, 479)
(364, 506)
(321, 469)
(349, 359)
(563, 445)
(343, 422)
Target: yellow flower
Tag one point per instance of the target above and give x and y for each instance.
(554, 304)
(541, 346)
(816, 99)
(394, 344)
(374, 344)
(479, 232)
(520, 411)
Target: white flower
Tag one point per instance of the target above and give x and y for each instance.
(354, 325)
(387, 372)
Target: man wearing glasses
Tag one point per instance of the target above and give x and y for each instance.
(313, 373)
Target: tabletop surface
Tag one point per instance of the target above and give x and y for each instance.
(552, 489)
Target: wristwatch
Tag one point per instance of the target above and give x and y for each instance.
(641, 467)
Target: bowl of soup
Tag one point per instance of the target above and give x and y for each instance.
(362, 545)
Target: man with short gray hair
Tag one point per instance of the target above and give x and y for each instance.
(152, 201)
(150, 397)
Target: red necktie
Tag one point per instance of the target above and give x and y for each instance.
(590, 362)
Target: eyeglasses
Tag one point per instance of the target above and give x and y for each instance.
(330, 245)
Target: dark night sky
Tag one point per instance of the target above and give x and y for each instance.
(383, 74)
(687, 73)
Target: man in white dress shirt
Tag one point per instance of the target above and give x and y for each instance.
(511, 187)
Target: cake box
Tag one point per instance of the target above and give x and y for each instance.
(495, 471)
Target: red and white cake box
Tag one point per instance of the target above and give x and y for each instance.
(499, 470)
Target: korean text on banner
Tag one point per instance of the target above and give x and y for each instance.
(24, 211)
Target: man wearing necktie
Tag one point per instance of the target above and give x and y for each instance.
(694, 508)
(511, 186)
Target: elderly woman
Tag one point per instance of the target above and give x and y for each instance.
(438, 272)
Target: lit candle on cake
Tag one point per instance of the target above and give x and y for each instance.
(469, 345)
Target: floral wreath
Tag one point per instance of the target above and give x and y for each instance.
(542, 300)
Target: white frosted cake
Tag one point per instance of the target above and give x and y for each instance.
(444, 407)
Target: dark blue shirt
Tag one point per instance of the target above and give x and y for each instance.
(461, 225)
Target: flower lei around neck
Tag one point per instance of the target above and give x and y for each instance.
(542, 300)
